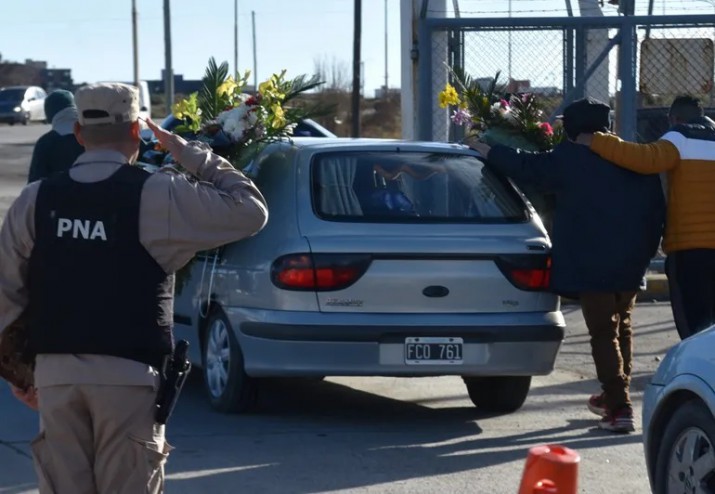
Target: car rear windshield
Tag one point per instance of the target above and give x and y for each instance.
(12, 95)
(399, 187)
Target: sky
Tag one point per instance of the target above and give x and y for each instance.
(94, 37)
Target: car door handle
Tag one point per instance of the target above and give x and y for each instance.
(435, 291)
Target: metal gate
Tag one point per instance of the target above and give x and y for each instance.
(637, 64)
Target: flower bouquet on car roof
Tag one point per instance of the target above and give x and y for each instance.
(237, 124)
(491, 115)
(494, 116)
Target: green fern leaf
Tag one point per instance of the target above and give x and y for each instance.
(209, 100)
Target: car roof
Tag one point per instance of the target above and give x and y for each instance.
(336, 143)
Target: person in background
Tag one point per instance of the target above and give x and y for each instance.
(58, 149)
(607, 225)
(686, 156)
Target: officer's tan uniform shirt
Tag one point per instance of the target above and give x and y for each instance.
(177, 219)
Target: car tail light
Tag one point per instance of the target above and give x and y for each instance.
(526, 272)
(318, 272)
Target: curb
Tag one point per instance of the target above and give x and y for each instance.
(656, 289)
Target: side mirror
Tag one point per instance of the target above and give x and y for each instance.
(32, 99)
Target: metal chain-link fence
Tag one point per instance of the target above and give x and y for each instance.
(558, 64)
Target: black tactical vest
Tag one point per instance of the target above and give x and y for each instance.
(93, 288)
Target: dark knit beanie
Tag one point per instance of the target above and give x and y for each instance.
(586, 115)
(56, 102)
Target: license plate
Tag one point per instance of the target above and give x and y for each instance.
(434, 351)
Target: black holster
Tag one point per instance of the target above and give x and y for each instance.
(175, 369)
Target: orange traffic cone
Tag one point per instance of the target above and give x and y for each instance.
(545, 487)
(554, 467)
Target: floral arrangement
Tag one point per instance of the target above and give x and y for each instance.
(237, 124)
(495, 117)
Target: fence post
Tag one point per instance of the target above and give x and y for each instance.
(424, 110)
(627, 74)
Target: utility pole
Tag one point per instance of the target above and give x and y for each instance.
(509, 56)
(255, 57)
(235, 38)
(168, 70)
(357, 20)
(135, 43)
(386, 86)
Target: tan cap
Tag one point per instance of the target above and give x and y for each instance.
(107, 103)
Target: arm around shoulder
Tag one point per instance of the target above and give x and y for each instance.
(641, 158)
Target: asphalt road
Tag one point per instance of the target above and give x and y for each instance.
(370, 435)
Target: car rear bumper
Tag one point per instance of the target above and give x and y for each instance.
(374, 344)
(13, 117)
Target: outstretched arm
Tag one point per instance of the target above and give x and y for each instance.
(536, 168)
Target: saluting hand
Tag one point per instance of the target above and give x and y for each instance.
(172, 142)
(28, 397)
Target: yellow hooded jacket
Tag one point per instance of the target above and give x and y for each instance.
(686, 153)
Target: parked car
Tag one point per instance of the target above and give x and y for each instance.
(22, 104)
(679, 418)
(380, 258)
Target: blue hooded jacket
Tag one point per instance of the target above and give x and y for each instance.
(607, 221)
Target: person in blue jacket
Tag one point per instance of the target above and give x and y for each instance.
(58, 149)
(607, 226)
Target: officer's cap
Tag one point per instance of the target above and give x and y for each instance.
(107, 103)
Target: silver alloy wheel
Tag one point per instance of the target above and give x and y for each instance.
(691, 463)
(218, 358)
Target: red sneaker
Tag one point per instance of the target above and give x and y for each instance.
(618, 421)
(597, 404)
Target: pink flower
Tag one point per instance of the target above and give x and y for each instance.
(461, 117)
(547, 128)
(503, 103)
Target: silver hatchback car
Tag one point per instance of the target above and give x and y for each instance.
(380, 258)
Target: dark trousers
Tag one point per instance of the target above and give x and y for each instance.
(608, 318)
(691, 280)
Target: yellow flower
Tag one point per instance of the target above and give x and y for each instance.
(279, 119)
(227, 87)
(269, 89)
(448, 97)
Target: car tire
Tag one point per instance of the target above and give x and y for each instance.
(691, 422)
(500, 394)
(229, 388)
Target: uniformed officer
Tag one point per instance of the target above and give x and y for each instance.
(90, 254)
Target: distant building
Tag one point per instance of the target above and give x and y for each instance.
(54, 79)
(381, 93)
(35, 73)
(181, 85)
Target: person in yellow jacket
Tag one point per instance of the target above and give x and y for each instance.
(685, 154)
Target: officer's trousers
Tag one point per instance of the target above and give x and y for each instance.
(97, 439)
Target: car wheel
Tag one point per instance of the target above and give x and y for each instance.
(229, 388)
(26, 119)
(686, 457)
(502, 394)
